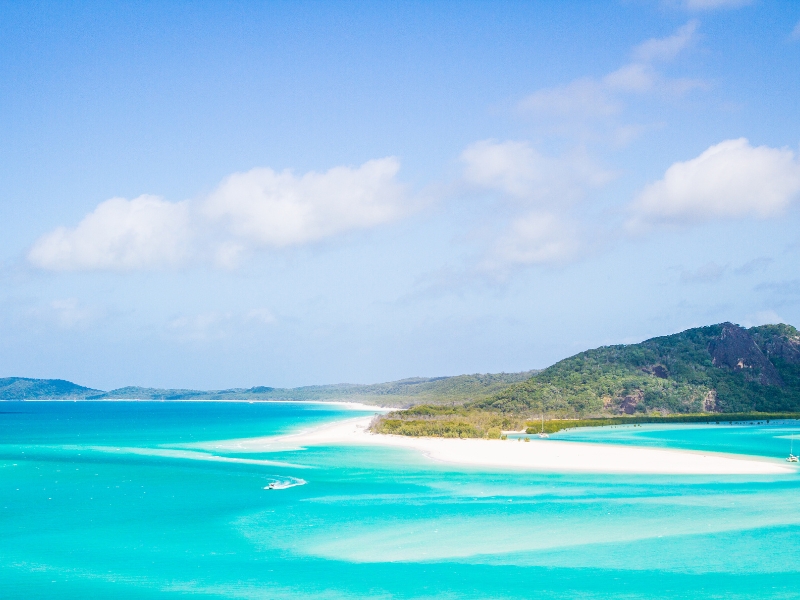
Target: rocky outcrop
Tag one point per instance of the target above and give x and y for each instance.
(778, 341)
(630, 401)
(659, 371)
(722, 368)
(736, 349)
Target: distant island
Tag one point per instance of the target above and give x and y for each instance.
(406, 392)
(700, 374)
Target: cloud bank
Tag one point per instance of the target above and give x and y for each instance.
(590, 97)
(539, 214)
(258, 208)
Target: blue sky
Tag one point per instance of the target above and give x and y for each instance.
(232, 194)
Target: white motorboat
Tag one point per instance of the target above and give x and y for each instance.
(284, 484)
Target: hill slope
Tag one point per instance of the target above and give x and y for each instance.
(720, 368)
(717, 369)
(406, 392)
(22, 388)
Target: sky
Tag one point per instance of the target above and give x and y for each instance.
(229, 194)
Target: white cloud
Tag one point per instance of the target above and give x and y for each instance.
(763, 317)
(669, 47)
(625, 134)
(200, 327)
(274, 209)
(119, 234)
(228, 254)
(707, 273)
(588, 97)
(731, 179)
(534, 239)
(215, 325)
(585, 97)
(262, 316)
(64, 313)
(756, 265)
(516, 169)
(69, 313)
(715, 4)
(591, 107)
(537, 193)
(258, 208)
(634, 77)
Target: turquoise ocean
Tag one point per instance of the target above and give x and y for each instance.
(111, 500)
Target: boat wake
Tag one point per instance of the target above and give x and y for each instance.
(282, 484)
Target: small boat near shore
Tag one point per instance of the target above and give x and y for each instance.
(542, 434)
(792, 458)
(282, 484)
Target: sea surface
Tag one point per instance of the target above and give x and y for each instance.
(113, 500)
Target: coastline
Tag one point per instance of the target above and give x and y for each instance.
(342, 403)
(538, 455)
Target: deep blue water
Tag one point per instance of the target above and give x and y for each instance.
(97, 501)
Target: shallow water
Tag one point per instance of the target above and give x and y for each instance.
(104, 500)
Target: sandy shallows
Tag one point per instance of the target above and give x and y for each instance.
(537, 455)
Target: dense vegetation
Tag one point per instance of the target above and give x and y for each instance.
(463, 422)
(554, 425)
(448, 421)
(721, 368)
(717, 369)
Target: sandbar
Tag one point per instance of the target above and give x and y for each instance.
(538, 455)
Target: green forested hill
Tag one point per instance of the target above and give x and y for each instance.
(721, 368)
(23, 388)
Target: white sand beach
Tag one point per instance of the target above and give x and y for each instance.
(537, 455)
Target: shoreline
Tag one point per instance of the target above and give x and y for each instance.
(342, 403)
(554, 456)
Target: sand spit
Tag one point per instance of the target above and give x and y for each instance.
(538, 455)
